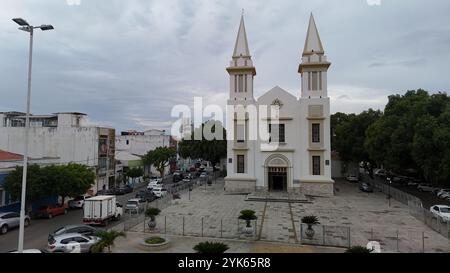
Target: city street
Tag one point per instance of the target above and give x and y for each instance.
(37, 233)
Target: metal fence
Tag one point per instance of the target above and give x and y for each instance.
(230, 228)
(323, 235)
(415, 207)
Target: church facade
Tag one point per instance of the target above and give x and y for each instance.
(296, 154)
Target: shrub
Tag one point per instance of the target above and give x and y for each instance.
(154, 240)
(358, 249)
(211, 248)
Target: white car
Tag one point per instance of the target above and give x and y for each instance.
(425, 187)
(443, 192)
(203, 175)
(155, 178)
(159, 192)
(77, 202)
(134, 206)
(441, 211)
(352, 178)
(445, 196)
(154, 184)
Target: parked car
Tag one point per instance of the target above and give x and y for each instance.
(49, 211)
(352, 178)
(154, 183)
(31, 251)
(71, 242)
(160, 192)
(425, 187)
(442, 191)
(366, 187)
(441, 211)
(80, 229)
(445, 195)
(413, 183)
(203, 175)
(10, 220)
(77, 202)
(401, 180)
(186, 180)
(134, 206)
(123, 190)
(156, 178)
(145, 196)
(380, 173)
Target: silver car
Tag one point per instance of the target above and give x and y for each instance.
(71, 243)
(9, 220)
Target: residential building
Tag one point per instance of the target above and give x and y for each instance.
(295, 157)
(66, 138)
(131, 145)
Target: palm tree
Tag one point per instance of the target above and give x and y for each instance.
(107, 239)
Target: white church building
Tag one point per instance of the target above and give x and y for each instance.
(296, 157)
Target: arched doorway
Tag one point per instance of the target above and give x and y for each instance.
(277, 173)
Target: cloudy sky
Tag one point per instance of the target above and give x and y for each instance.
(127, 63)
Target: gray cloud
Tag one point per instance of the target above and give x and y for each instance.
(127, 63)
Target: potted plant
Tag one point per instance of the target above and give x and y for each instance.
(152, 213)
(310, 221)
(211, 248)
(358, 249)
(248, 216)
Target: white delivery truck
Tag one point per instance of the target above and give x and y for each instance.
(102, 209)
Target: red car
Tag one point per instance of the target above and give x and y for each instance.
(49, 211)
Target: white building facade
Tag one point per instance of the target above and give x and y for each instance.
(139, 143)
(132, 144)
(295, 155)
(63, 138)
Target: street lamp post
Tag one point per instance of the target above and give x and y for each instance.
(30, 29)
(389, 195)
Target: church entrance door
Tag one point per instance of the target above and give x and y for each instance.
(277, 179)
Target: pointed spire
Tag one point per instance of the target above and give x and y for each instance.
(241, 47)
(312, 43)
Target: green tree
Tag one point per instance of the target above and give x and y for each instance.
(413, 133)
(64, 180)
(74, 180)
(350, 134)
(160, 158)
(36, 185)
(134, 172)
(212, 150)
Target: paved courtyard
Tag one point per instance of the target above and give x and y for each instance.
(363, 216)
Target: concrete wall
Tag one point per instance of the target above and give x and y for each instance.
(141, 144)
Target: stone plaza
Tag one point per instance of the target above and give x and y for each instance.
(211, 213)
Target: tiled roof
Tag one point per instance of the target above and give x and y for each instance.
(7, 156)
